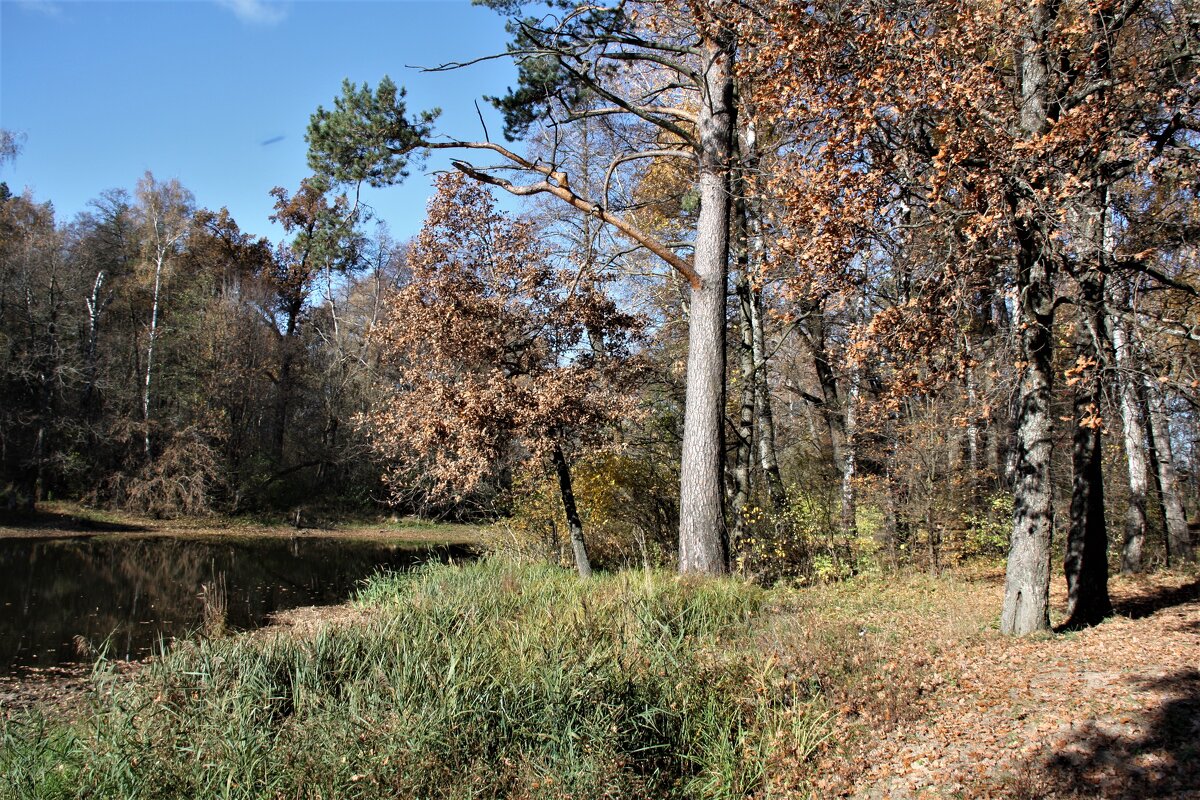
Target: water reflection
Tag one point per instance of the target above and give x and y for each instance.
(58, 596)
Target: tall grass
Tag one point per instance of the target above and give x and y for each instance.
(485, 681)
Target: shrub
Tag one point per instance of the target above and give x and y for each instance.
(989, 528)
(627, 505)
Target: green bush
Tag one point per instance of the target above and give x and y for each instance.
(989, 529)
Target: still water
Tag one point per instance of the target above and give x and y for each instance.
(59, 597)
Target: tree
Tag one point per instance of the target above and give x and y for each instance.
(324, 242)
(990, 130)
(586, 52)
(39, 291)
(164, 213)
(492, 356)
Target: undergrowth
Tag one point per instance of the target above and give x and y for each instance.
(485, 681)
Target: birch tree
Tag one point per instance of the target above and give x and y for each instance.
(164, 211)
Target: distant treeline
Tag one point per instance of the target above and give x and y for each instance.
(155, 357)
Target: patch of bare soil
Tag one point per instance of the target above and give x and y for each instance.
(57, 692)
(1111, 712)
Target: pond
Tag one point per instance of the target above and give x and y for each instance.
(63, 598)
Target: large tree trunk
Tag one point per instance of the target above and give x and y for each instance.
(1179, 542)
(1134, 429)
(1086, 563)
(702, 538)
(1027, 580)
(574, 523)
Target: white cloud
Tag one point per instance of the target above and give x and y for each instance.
(255, 12)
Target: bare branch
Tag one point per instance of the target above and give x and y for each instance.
(619, 160)
(453, 65)
(558, 186)
(652, 118)
(482, 124)
(1140, 265)
(668, 111)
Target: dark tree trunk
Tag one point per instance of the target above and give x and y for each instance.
(283, 387)
(745, 422)
(838, 420)
(574, 524)
(764, 419)
(1086, 562)
(703, 545)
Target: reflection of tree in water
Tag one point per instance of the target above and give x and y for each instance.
(136, 590)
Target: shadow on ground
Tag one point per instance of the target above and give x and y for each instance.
(55, 521)
(1163, 761)
(1145, 605)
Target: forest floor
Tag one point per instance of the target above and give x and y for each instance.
(941, 705)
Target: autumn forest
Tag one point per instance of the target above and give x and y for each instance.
(900, 295)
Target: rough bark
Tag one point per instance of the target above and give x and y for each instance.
(1179, 542)
(1133, 429)
(764, 417)
(574, 523)
(745, 421)
(1086, 563)
(1027, 580)
(703, 547)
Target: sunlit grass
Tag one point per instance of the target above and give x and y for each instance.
(490, 680)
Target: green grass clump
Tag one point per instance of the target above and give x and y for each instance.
(485, 681)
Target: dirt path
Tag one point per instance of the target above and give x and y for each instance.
(1109, 712)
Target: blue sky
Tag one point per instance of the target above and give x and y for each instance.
(203, 90)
